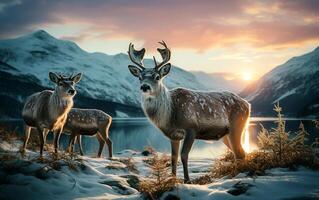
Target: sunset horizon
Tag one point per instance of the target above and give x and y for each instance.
(243, 38)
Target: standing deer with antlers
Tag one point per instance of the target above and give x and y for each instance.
(47, 110)
(183, 114)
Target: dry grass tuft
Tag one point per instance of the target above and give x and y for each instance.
(8, 135)
(52, 161)
(160, 179)
(153, 160)
(203, 180)
(129, 164)
(254, 164)
(315, 144)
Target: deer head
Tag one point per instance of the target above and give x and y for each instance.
(150, 78)
(65, 84)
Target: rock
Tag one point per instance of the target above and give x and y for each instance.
(172, 197)
(132, 180)
(119, 186)
(239, 188)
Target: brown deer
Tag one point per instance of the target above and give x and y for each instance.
(47, 110)
(88, 122)
(187, 114)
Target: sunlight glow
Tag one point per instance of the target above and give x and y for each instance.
(246, 142)
(247, 145)
(247, 76)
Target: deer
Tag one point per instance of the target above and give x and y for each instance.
(88, 122)
(47, 110)
(185, 114)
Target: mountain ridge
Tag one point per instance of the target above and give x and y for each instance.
(294, 84)
(106, 77)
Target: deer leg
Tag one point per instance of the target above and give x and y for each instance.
(74, 139)
(187, 146)
(45, 134)
(236, 130)
(105, 135)
(174, 155)
(110, 147)
(57, 140)
(27, 130)
(71, 143)
(41, 137)
(79, 140)
(102, 142)
(226, 142)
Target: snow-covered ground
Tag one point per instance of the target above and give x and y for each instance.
(101, 178)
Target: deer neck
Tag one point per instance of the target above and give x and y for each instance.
(158, 108)
(59, 105)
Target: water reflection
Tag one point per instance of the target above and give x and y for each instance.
(136, 133)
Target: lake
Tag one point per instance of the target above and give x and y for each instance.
(137, 133)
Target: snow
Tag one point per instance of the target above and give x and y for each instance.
(279, 184)
(120, 114)
(285, 95)
(94, 180)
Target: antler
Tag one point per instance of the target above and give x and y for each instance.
(136, 56)
(70, 77)
(165, 53)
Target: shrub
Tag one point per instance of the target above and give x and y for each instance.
(160, 179)
(277, 148)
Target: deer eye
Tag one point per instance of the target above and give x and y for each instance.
(157, 77)
(61, 84)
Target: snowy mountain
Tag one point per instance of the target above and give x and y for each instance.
(219, 81)
(295, 84)
(106, 84)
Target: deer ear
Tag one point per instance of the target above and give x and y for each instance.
(165, 69)
(134, 70)
(77, 78)
(53, 77)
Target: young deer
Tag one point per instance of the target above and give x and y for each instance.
(187, 114)
(47, 110)
(88, 122)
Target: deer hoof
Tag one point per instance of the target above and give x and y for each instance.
(187, 181)
(22, 150)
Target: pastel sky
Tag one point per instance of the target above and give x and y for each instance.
(237, 36)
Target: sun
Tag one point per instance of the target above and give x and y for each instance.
(246, 76)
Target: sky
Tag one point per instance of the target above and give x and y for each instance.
(242, 37)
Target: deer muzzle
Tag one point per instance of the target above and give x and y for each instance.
(145, 88)
(71, 92)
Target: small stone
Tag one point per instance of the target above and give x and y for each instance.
(239, 188)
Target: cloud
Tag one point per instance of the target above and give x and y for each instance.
(198, 25)
(307, 7)
(76, 38)
(21, 16)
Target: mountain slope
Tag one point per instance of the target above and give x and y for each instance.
(106, 82)
(295, 84)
